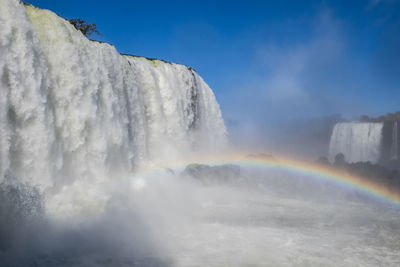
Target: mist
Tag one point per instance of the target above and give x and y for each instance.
(109, 159)
(230, 215)
(314, 70)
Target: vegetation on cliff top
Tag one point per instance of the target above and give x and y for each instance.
(388, 117)
(86, 28)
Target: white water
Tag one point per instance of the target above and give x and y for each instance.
(264, 217)
(73, 109)
(358, 141)
(76, 119)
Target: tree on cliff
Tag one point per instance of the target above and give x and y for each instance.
(86, 28)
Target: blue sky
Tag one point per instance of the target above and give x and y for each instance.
(265, 60)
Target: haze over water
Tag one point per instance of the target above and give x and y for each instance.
(86, 137)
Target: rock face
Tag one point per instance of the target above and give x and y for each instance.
(390, 142)
(73, 108)
(394, 148)
(365, 141)
(213, 174)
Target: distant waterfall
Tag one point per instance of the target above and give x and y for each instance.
(394, 147)
(358, 141)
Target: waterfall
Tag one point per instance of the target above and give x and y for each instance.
(358, 141)
(71, 108)
(394, 146)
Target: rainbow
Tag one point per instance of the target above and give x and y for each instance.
(313, 170)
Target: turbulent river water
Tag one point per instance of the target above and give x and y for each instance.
(244, 217)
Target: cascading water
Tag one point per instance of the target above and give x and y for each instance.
(358, 141)
(76, 118)
(76, 109)
(394, 147)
